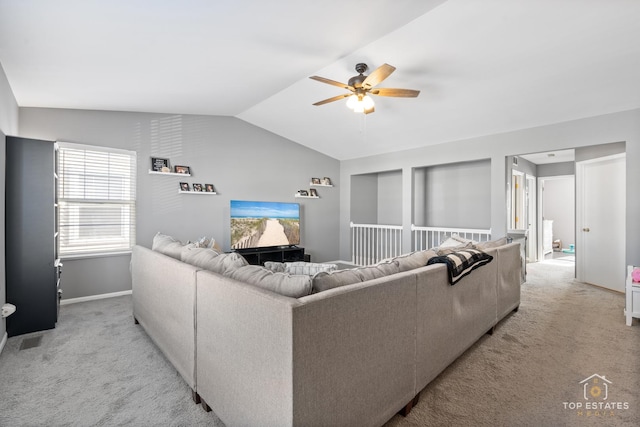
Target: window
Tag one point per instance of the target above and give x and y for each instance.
(96, 199)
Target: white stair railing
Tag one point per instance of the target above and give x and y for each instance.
(430, 237)
(371, 243)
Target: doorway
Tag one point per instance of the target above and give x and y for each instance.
(557, 216)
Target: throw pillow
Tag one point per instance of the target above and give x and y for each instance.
(309, 268)
(207, 242)
(277, 267)
(294, 286)
(167, 245)
(461, 239)
(461, 263)
(445, 250)
(491, 243)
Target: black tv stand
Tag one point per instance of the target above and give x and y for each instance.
(277, 254)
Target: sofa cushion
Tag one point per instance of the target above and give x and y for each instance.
(388, 267)
(294, 286)
(199, 257)
(167, 245)
(333, 279)
(461, 263)
(414, 260)
(225, 264)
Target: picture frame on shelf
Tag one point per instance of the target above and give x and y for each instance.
(160, 164)
(184, 186)
(303, 193)
(315, 181)
(313, 192)
(182, 169)
(209, 188)
(197, 187)
(326, 181)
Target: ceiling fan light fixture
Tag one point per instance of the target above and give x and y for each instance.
(360, 104)
(352, 101)
(367, 102)
(361, 86)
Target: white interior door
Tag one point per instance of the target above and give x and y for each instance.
(600, 221)
(531, 219)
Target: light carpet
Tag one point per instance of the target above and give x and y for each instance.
(522, 375)
(97, 368)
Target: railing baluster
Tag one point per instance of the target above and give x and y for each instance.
(371, 243)
(433, 236)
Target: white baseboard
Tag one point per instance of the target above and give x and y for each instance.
(3, 342)
(94, 297)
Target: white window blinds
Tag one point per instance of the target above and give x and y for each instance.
(96, 199)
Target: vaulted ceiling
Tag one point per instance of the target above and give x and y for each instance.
(482, 67)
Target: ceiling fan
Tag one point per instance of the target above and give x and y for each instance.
(361, 86)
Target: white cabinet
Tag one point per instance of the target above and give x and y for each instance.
(632, 292)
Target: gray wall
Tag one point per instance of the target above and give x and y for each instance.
(559, 205)
(377, 198)
(390, 198)
(622, 126)
(557, 169)
(8, 107)
(8, 126)
(453, 195)
(242, 161)
(364, 201)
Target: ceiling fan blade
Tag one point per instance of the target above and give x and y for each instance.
(369, 110)
(403, 93)
(378, 75)
(335, 98)
(332, 82)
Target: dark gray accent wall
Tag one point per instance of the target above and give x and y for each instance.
(242, 161)
(587, 132)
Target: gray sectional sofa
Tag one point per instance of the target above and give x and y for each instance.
(351, 355)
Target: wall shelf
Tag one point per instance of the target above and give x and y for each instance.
(211, 193)
(298, 196)
(320, 185)
(151, 172)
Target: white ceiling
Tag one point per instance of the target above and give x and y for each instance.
(482, 67)
(558, 156)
